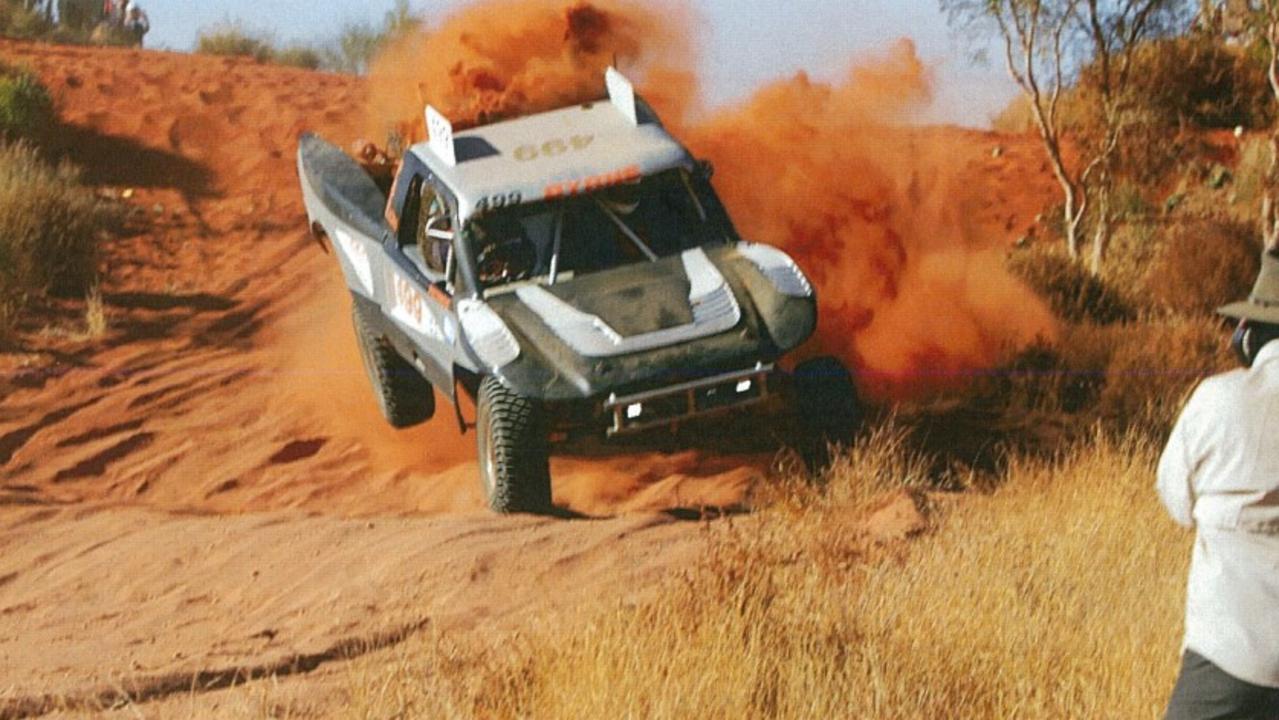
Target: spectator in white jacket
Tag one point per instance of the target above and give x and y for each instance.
(1219, 475)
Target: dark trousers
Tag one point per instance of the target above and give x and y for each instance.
(1206, 692)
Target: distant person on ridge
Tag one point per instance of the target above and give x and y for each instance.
(1219, 474)
(136, 22)
(113, 12)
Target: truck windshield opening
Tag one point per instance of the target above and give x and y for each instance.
(645, 220)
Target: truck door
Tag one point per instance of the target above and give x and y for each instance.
(419, 300)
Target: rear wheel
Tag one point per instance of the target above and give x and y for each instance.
(403, 395)
(830, 412)
(513, 450)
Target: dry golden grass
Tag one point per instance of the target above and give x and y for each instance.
(96, 323)
(49, 229)
(1057, 596)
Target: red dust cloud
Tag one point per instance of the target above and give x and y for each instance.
(504, 58)
(913, 292)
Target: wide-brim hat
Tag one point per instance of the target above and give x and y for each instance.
(1263, 304)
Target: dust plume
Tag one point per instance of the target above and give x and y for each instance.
(504, 58)
(320, 369)
(913, 293)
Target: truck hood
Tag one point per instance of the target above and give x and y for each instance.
(632, 310)
(703, 311)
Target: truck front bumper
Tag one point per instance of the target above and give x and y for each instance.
(672, 405)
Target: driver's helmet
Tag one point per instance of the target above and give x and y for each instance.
(624, 198)
(506, 254)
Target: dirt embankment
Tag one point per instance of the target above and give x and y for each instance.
(207, 492)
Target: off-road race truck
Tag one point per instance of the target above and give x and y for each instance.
(574, 274)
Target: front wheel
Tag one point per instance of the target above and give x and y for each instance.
(513, 449)
(830, 411)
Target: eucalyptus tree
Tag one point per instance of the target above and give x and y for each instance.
(1046, 45)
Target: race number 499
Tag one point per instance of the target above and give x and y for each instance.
(553, 148)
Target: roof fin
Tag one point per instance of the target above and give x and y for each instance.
(441, 132)
(622, 93)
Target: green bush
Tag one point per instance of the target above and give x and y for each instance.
(234, 40)
(231, 39)
(49, 224)
(17, 21)
(26, 109)
(300, 56)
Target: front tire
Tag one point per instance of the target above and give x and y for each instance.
(830, 411)
(403, 395)
(513, 450)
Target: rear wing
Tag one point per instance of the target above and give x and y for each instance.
(621, 92)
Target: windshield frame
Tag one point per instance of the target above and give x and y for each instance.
(706, 204)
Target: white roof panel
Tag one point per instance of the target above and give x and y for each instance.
(562, 152)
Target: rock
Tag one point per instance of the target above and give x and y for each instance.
(998, 152)
(1219, 177)
(897, 517)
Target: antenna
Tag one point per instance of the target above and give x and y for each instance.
(441, 132)
(622, 93)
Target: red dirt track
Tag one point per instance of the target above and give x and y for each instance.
(208, 491)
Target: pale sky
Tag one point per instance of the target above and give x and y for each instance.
(747, 41)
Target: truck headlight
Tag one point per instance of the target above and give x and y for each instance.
(779, 268)
(489, 337)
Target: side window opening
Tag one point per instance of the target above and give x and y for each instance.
(435, 230)
(426, 230)
(407, 232)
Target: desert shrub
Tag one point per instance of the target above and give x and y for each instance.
(1190, 82)
(1177, 85)
(1133, 247)
(1125, 377)
(1073, 293)
(351, 51)
(358, 43)
(1200, 82)
(235, 40)
(1058, 379)
(49, 225)
(1202, 265)
(25, 107)
(1153, 366)
(300, 56)
(19, 21)
(1016, 117)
